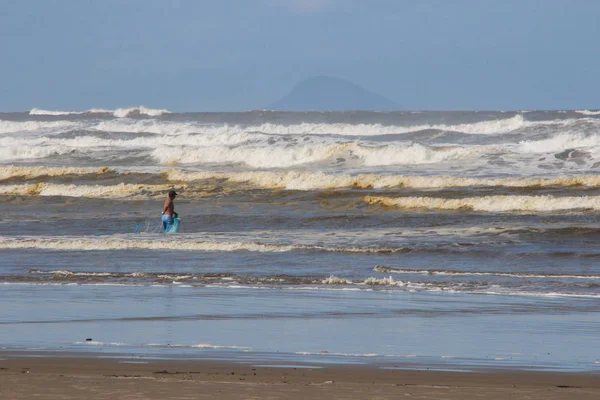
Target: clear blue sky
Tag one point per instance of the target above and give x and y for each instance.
(229, 55)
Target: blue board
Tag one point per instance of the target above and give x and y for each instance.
(175, 227)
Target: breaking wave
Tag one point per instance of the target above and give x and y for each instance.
(11, 171)
(296, 282)
(124, 124)
(560, 142)
(34, 126)
(492, 203)
(341, 129)
(141, 110)
(290, 180)
(344, 129)
(388, 270)
(253, 150)
(119, 113)
(256, 157)
(38, 111)
(19, 148)
(484, 127)
(89, 191)
(588, 112)
(23, 152)
(285, 157)
(121, 243)
(300, 180)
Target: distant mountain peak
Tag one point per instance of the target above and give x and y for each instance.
(325, 93)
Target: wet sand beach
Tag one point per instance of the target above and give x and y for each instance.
(94, 378)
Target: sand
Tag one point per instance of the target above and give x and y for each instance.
(63, 378)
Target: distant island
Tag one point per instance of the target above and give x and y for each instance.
(324, 93)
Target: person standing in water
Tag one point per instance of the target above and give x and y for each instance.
(169, 214)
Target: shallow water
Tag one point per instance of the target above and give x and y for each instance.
(447, 239)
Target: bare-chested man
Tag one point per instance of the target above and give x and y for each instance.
(169, 214)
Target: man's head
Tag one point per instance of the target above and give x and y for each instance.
(172, 194)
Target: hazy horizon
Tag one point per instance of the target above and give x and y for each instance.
(204, 56)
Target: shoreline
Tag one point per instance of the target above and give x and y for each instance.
(65, 376)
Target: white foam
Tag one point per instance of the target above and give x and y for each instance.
(98, 343)
(43, 146)
(412, 155)
(119, 113)
(255, 157)
(487, 127)
(17, 152)
(383, 282)
(303, 180)
(541, 294)
(124, 124)
(126, 112)
(369, 284)
(545, 203)
(174, 278)
(560, 142)
(467, 273)
(218, 347)
(334, 280)
(484, 127)
(31, 126)
(138, 274)
(37, 111)
(10, 171)
(588, 112)
(336, 354)
(319, 181)
(65, 273)
(340, 129)
(120, 191)
(157, 243)
(284, 157)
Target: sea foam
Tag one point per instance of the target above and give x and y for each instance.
(521, 275)
(7, 127)
(122, 243)
(12, 171)
(119, 113)
(341, 129)
(560, 142)
(288, 156)
(302, 180)
(492, 203)
(588, 112)
(89, 191)
(290, 180)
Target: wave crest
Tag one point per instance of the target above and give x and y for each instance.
(11, 171)
(119, 113)
(119, 191)
(491, 203)
(297, 180)
(522, 275)
(285, 157)
(300, 180)
(560, 142)
(35, 126)
(588, 112)
(120, 242)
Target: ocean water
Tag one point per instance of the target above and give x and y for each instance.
(453, 240)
